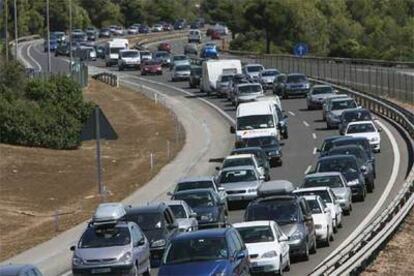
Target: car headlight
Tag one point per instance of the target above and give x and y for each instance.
(76, 260)
(318, 226)
(126, 258)
(252, 190)
(275, 152)
(296, 236)
(158, 243)
(269, 254)
(307, 85)
(374, 139)
(353, 182)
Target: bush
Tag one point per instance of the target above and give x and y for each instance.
(47, 113)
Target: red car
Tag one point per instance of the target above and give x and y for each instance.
(151, 67)
(164, 46)
(215, 35)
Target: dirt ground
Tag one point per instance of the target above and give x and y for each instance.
(37, 183)
(397, 256)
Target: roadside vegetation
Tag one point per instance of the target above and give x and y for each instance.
(40, 112)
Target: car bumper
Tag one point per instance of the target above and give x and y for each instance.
(321, 234)
(264, 265)
(332, 123)
(156, 256)
(296, 92)
(345, 204)
(267, 85)
(241, 196)
(315, 104)
(102, 270)
(357, 190)
(130, 65)
(181, 77)
(375, 146)
(297, 248)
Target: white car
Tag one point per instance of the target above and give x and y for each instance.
(157, 28)
(180, 72)
(253, 70)
(322, 219)
(132, 30)
(186, 217)
(330, 200)
(267, 246)
(129, 58)
(243, 160)
(365, 129)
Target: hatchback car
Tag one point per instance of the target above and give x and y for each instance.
(164, 46)
(327, 101)
(294, 84)
(260, 155)
(151, 67)
(293, 215)
(336, 182)
(366, 129)
(186, 217)
(317, 95)
(180, 72)
(159, 225)
(267, 246)
(353, 115)
(270, 145)
(348, 166)
(335, 108)
(206, 252)
(210, 209)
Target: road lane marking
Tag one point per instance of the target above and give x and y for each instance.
(306, 123)
(315, 150)
(381, 200)
(314, 135)
(33, 59)
(308, 169)
(291, 113)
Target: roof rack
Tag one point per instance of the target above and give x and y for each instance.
(275, 187)
(108, 214)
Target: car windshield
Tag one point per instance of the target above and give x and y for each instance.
(261, 141)
(147, 221)
(343, 165)
(344, 104)
(281, 211)
(130, 54)
(357, 152)
(255, 122)
(178, 211)
(196, 71)
(324, 194)
(253, 69)
(322, 90)
(145, 53)
(116, 50)
(357, 116)
(182, 68)
(180, 58)
(105, 237)
(183, 186)
(196, 199)
(245, 89)
(196, 250)
(226, 78)
(270, 73)
(235, 162)
(360, 142)
(254, 234)
(314, 206)
(360, 128)
(333, 181)
(233, 176)
(296, 78)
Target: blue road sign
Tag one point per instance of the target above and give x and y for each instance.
(300, 49)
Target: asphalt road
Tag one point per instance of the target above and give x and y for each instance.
(306, 132)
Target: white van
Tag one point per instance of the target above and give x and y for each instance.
(112, 49)
(194, 36)
(256, 119)
(212, 69)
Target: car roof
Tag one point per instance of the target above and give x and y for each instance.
(254, 108)
(247, 149)
(360, 109)
(248, 84)
(321, 174)
(276, 197)
(175, 202)
(347, 138)
(253, 64)
(295, 74)
(331, 138)
(361, 122)
(239, 156)
(349, 146)
(270, 70)
(14, 269)
(195, 179)
(337, 156)
(252, 223)
(150, 208)
(310, 197)
(238, 168)
(321, 86)
(207, 233)
(341, 99)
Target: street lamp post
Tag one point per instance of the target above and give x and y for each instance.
(6, 29)
(16, 43)
(70, 35)
(49, 61)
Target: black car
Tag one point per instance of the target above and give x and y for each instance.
(100, 51)
(350, 169)
(195, 76)
(159, 225)
(293, 215)
(283, 123)
(62, 49)
(269, 144)
(260, 155)
(353, 115)
(327, 144)
(143, 29)
(211, 210)
(91, 35)
(363, 161)
(105, 33)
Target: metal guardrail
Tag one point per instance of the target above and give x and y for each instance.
(107, 78)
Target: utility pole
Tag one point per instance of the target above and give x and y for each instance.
(49, 61)
(101, 186)
(16, 43)
(70, 36)
(6, 35)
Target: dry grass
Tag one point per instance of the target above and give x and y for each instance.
(36, 182)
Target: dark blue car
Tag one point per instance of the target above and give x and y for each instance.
(209, 52)
(206, 252)
(53, 44)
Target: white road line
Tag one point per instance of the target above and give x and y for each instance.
(306, 123)
(291, 113)
(315, 150)
(381, 200)
(34, 60)
(314, 135)
(308, 169)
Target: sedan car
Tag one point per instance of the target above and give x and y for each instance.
(180, 72)
(267, 77)
(260, 155)
(240, 183)
(244, 160)
(317, 95)
(336, 182)
(206, 252)
(151, 67)
(210, 209)
(186, 217)
(270, 145)
(322, 218)
(366, 129)
(349, 167)
(353, 115)
(164, 46)
(335, 108)
(267, 246)
(247, 92)
(294, 84)
(330, 200)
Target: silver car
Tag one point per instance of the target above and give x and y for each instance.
(335, 108)
(179, 60)
(317, 95)
(337, 183)
(327, 101)
(186, 217)
(222, 84)
(112, 249)
(267, 77)
(247, 92)
(180, 72)
(241, 183)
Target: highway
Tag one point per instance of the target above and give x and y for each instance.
(306, 133)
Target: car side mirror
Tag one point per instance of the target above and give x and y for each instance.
(232, 129)
(217, 168)
(318, 150)
(363, 169)
(72, 248)
(262, 177)
(193, 215)
(283, 239)
(379, 128)
(308, 218)
(221, 189)
(240, 255)
(141, 242)
(285, 116)
(169, 193)
(326, 210)
(172, 226)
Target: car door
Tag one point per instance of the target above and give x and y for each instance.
(235, 249)
(141, 251)
(282, 241)
(243, 263)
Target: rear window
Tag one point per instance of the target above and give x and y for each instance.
(333, 181)
(281, 211)
(254, 234)
(345, 104)
(314, 206)
(322, 90)
(105, 237)
(232, 176)
(296, 78)
(183, 186)
(238, 162)
(360, 128)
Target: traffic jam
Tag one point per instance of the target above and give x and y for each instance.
(190, 234)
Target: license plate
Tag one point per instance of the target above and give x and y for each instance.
(101, 270)
(234, 198)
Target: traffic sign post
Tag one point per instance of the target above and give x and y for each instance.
(301, 49)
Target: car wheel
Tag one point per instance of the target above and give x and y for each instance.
(280, 272)
(147, 272)
(121, 68)
(305, 255)
(334, 227)
(327, 241)
(313, 249)
(134, 271)
(332, 238)
(347, 212)
(287, 268)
